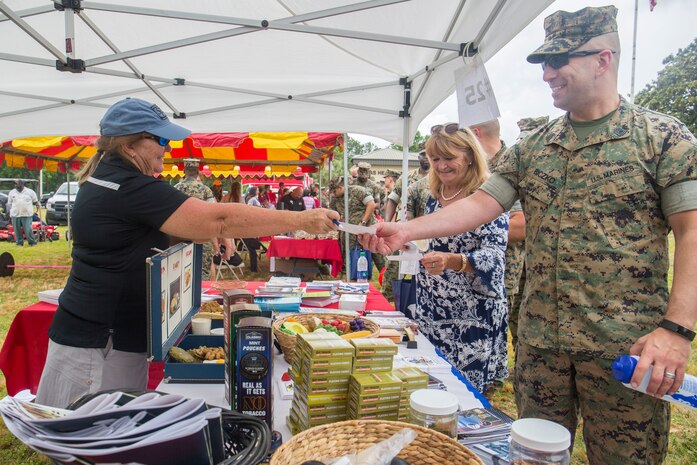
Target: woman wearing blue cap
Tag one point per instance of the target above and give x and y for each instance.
(98, 335)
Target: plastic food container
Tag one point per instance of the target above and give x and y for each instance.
(539, 442)
(435, 409)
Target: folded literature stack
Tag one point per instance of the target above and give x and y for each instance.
(279, 295)
(50, 295)
(487, 432)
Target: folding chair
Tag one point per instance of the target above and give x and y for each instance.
(219, 267)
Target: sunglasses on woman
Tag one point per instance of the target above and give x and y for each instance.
(450, 128)
(160, 140)
(559, 60)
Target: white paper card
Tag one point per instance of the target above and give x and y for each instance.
(409, 259)
(356, 229)
(476, 102)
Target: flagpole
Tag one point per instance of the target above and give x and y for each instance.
(636, 15)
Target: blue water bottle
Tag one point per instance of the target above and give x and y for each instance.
(623, 369)
(362, 269)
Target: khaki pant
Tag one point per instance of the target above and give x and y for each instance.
(71, 372)
(620, 426)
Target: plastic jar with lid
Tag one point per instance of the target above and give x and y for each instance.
(539, 442)
(435, 409)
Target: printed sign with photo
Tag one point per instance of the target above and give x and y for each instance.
(174, 285)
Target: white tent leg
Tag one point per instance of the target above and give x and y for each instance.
(347, 252)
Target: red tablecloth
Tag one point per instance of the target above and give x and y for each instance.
(23, 354)
(326, 250)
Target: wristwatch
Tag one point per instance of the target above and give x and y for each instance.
(676, 328)
(363, 223)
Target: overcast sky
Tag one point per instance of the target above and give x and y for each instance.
(518, 85)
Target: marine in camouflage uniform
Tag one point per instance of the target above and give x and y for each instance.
(598, 209)
(359, 199)
(363, 180)
(192, 187)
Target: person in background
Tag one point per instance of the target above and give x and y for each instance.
(192, 186)
(315, 195)
(395, 198)
(281, 192)
(360, 206)
(417, 193)
(601, 188)
(98, 336)
(264, 198)
(388, 182)
(363, 180)
(252, 197)
(489, 135)
(20, 203)
(308, 200)
(270, 195)
(235, 195)
(253, 243)
(217, 189)
(470, 330)
(293, 201)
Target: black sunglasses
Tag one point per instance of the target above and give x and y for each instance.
(160, 140)
(560, 60)
(450, 128)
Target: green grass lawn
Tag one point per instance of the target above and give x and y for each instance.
(21, 290)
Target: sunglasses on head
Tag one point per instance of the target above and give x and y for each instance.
(560, 60)
(450, 128)
(160, 140)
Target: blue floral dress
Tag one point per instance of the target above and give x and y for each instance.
(465, 315)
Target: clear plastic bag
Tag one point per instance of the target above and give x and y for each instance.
(381, 453)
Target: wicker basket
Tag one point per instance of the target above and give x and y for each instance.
(287, 342)
(336, 439)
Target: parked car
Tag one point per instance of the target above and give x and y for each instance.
(44, 198)
(57, 206)
(3, 201)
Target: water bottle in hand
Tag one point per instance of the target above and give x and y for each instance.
(623, 369)
(362, 269)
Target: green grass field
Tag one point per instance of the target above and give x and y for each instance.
(21, 290)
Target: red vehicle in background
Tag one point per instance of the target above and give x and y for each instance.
(42, 232)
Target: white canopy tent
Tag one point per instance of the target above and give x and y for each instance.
(375, 67)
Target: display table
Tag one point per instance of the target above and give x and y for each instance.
(214, 394)
(326, 250)
(23, 354)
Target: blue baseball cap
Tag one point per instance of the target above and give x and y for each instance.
(133, 115)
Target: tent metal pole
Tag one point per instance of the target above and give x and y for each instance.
(68, 230)
(402, 213)
(347, 252)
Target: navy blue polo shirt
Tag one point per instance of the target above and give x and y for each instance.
(115, 222)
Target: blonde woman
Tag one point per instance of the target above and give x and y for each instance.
(460, 293)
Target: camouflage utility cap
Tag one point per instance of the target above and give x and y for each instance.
(528, 124)
(392, 173)
(335, 182)
(364, 165)
(566, 31)
(191, 162)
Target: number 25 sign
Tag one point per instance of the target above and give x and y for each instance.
(476, 102)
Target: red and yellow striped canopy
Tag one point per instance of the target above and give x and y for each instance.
(231, 153)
